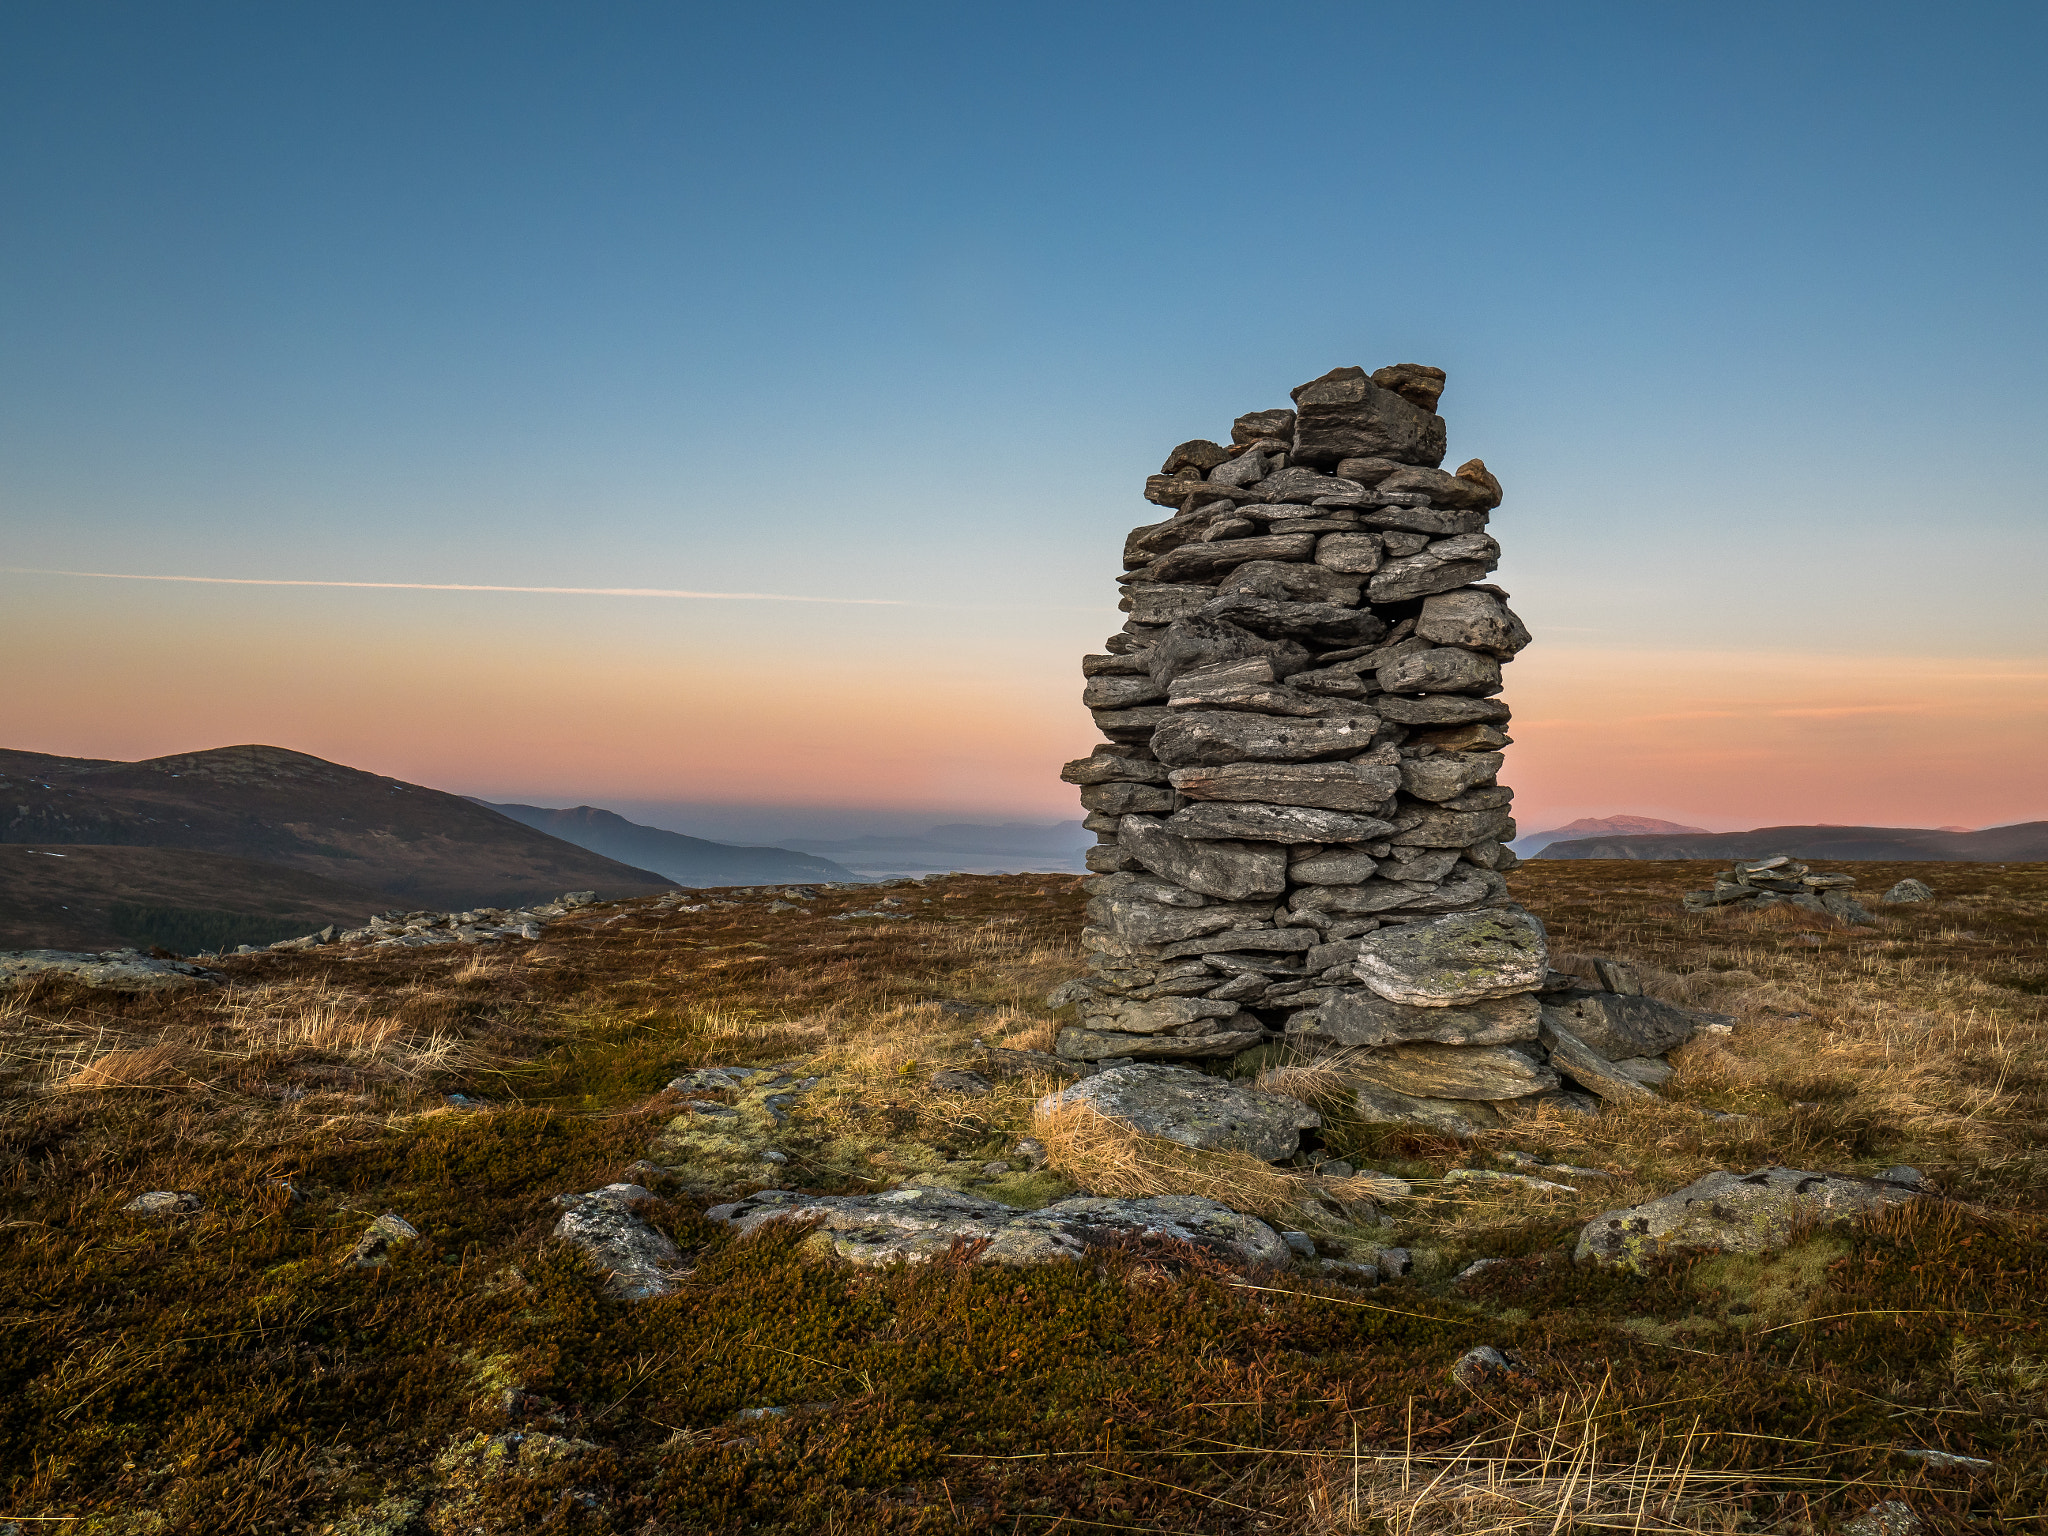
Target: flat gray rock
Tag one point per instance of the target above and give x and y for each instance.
(1207, 562)
(1439, 709)
(1325, 786)
(1446, 775)
(1454, 1117)
(1213, 738)
(924, 1222)
(640, 1262)
(1442, 826)
(1148, 923)
(1276, 823)
(1587, 1067)
(165, 1202)
(115, 970)
(1194, 1109)
(1733, 1213)
(1289, 581)
(1080, 1044)
(1230, 869)
(1158, 1015)
(1433, 570)
(1441, 669)
(1191, 644)
(1465, 958)
(1618, 1027)
(1907, 890)
(1360, 1017)
(1487, 1072)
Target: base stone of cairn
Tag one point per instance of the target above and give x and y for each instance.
(1301, 831)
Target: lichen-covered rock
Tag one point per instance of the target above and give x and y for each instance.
(1464, 958)
(1618, 1026)
(1907, 890)
(1358, 1017)
(115, 970)
(1194, 1109)
(641, 1262)
(1080, 1044)
(924, 1222)
(165, 1202)
(1733, 1213)
(384, 1236)
(1454, 1117)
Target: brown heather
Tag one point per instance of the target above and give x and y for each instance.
(227, 1372)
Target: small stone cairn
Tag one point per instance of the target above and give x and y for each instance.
(1301, 830)
(1779, 881)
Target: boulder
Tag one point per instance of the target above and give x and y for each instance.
(1078, 1043)
(1441, 669)
(1344, 414)
(1358, 1017)
(1618, 1026)
(1417, 383)
(1212, 738)
(1465, 958)
(1260, 426)
(1329, 786)
(1227, 868)
(1907, 890)
(1469, 616)
(1200, 454)
(1733, 1213)
(1428, 1070)
(1246, 469)
(926, 1221)
(640, 1263)
(1446, 775)
(1194, 1109)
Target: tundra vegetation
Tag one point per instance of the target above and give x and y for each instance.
(362, 1324)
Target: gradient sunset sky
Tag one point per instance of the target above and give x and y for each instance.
(825, 349)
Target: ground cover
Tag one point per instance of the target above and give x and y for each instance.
(232, 1369)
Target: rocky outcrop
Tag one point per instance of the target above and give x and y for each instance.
(1778, 881)
(1735, 1213)
(924, 1221)
(639, 1262)
(113, 970)
(1301, 829)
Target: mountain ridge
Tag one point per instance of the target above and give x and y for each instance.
(690, 861)
(2020, 842)
(415, 846)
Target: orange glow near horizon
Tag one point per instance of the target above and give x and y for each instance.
(559, 701)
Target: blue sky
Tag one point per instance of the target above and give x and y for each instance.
(900, 302)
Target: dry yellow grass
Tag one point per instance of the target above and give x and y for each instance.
(123, 1067)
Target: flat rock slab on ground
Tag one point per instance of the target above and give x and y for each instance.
(117, 970)
(924, 1222)
(641, 1262)
(1194, 1109)
(1733, 1213)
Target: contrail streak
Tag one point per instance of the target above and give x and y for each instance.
(458, 586)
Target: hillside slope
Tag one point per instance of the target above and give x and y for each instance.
(2026, 841)
(416, 846)
(1531, 843)
(84, 896)
(685, 860)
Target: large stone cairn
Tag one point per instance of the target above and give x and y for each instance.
(1301, 833)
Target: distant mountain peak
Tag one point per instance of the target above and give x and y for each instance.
(1620, 826)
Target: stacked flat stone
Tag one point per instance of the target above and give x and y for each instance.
(1782, 880)
(1301, 830)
